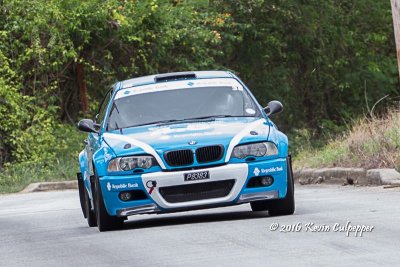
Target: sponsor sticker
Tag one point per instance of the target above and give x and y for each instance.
(121, 186)
(258, 171)
(179, 85)
(107, 156)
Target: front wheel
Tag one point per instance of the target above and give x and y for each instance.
(105, 222)
(284, 206)
(277, 207)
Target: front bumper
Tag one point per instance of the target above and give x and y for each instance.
(155, 203)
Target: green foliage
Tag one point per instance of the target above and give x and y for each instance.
(44, 40)
(318, 57)
(41, 44)
(327, 61)
(327, 156)
(62, 165)
(26, 128)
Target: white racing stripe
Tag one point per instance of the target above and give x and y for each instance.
(236, 139)
(148, 149)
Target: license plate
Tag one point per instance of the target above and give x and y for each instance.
(194, 176)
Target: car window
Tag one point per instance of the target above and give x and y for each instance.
(180, 104)
(103, 108)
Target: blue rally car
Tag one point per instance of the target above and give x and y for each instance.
(182, 141)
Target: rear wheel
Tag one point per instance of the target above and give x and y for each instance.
(81, 190)
(90, 216)
(105, 222)
(276, 207)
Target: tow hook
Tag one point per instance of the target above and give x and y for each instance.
(151, 185)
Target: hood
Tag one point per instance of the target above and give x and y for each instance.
(222, 131)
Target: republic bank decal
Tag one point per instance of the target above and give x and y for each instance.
(257, 171)
(121, 186)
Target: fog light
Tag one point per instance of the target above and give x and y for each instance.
(125, 196)
(266, 180)
(260, 181)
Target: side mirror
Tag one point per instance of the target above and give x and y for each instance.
(273, 107)
(87, 125)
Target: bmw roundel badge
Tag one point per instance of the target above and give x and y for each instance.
(192, 143)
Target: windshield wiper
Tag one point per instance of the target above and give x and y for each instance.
(215, 117)
(207, 118)
(165, 122)
(153, 122)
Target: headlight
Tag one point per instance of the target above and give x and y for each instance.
(255, 150)
(130, 163)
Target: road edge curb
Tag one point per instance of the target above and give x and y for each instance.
(50, 186)
(340, 175)
(337, 175)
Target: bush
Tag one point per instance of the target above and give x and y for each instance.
(61, 165)
(371, 143)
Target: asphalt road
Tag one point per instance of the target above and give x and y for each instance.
(47, 229)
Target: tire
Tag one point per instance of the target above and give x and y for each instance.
(284, 206)
(261, 205)
(81, 190)
(90, 215)
(277, 207)
(105, 222)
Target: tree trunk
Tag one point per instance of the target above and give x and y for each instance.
(80, 76)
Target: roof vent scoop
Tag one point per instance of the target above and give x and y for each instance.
(174, 76)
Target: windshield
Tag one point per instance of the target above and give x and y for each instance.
(180, 104)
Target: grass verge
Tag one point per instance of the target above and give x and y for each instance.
(63, 166)
(371, 143)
